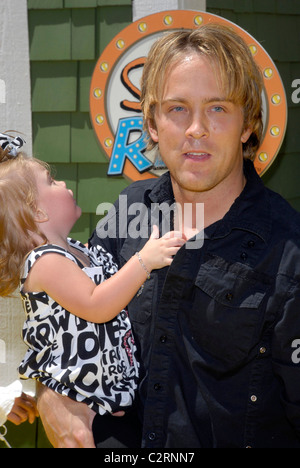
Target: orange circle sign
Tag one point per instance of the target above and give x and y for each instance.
(114, 94)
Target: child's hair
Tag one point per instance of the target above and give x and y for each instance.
(18, 196)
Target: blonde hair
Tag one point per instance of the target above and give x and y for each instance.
(18, 195)
(234, 66)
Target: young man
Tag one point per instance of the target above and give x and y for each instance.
(218, 331)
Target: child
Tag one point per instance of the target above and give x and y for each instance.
(79, 336)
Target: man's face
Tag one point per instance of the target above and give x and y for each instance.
(200, 133)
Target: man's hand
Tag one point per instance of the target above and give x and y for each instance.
(24, 409)
(68, 423)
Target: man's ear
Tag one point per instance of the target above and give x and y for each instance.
(153, 130)
(41, 216)
(246, 134)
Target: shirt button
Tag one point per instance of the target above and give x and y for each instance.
(157, 386)
(244, 256)
(229, 296)
(163, 339)
(253, 398)
(262, 350)
(251, 244)
(152, 436)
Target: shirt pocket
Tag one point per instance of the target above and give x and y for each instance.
(228, 309)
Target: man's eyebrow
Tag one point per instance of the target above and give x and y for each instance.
(216, 99)
(173, 99)
(207, 100)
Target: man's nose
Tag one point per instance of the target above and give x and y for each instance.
(198, 126)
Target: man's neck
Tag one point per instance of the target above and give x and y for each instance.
(199, 210)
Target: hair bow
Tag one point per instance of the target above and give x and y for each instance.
(14, 145)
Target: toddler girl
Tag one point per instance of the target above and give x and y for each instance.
(78, 333)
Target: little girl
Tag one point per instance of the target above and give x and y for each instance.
(78, 333)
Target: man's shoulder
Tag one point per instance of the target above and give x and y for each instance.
(283, 213)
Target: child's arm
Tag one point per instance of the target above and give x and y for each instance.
(70, 287)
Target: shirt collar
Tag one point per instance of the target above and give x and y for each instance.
(162, 190)
(249, 212)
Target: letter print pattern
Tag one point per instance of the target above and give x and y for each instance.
(88, 362)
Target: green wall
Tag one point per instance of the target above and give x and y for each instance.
(66, 40)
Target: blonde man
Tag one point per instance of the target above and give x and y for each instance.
(217, 331)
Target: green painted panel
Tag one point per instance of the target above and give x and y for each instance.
(283, 46)
(51, 136)
(42, 440)
(26, 436)
(295, 202)
(80, 3)
(94, 187)
(228, 14)
(84, 144)
(288, 7)
(86, 70)
(83, 34)
(285, 169)
(291, 143)
(110, 21)
(46, 4)
(241, 6)
(264, 6)
(217, 4)
(68, 173)
(247, 22)
(54, 86)
(84, 227)
(82, 230)
(114, 2)
(50, 34)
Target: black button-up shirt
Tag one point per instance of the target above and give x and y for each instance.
(218, 331)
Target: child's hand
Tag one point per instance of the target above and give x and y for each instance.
(24, 409)
(159, 251)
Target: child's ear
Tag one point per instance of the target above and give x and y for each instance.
(41, 216)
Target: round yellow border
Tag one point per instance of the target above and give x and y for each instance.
(276, 122)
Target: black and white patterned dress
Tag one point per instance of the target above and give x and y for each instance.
(88, 362)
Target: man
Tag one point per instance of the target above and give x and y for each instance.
(218, 330)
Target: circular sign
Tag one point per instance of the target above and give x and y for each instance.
(114, 95)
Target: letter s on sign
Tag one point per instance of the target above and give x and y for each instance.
(296, 353)
(296, 93)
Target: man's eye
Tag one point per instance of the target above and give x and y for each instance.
(177, 109)
(218, 109)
